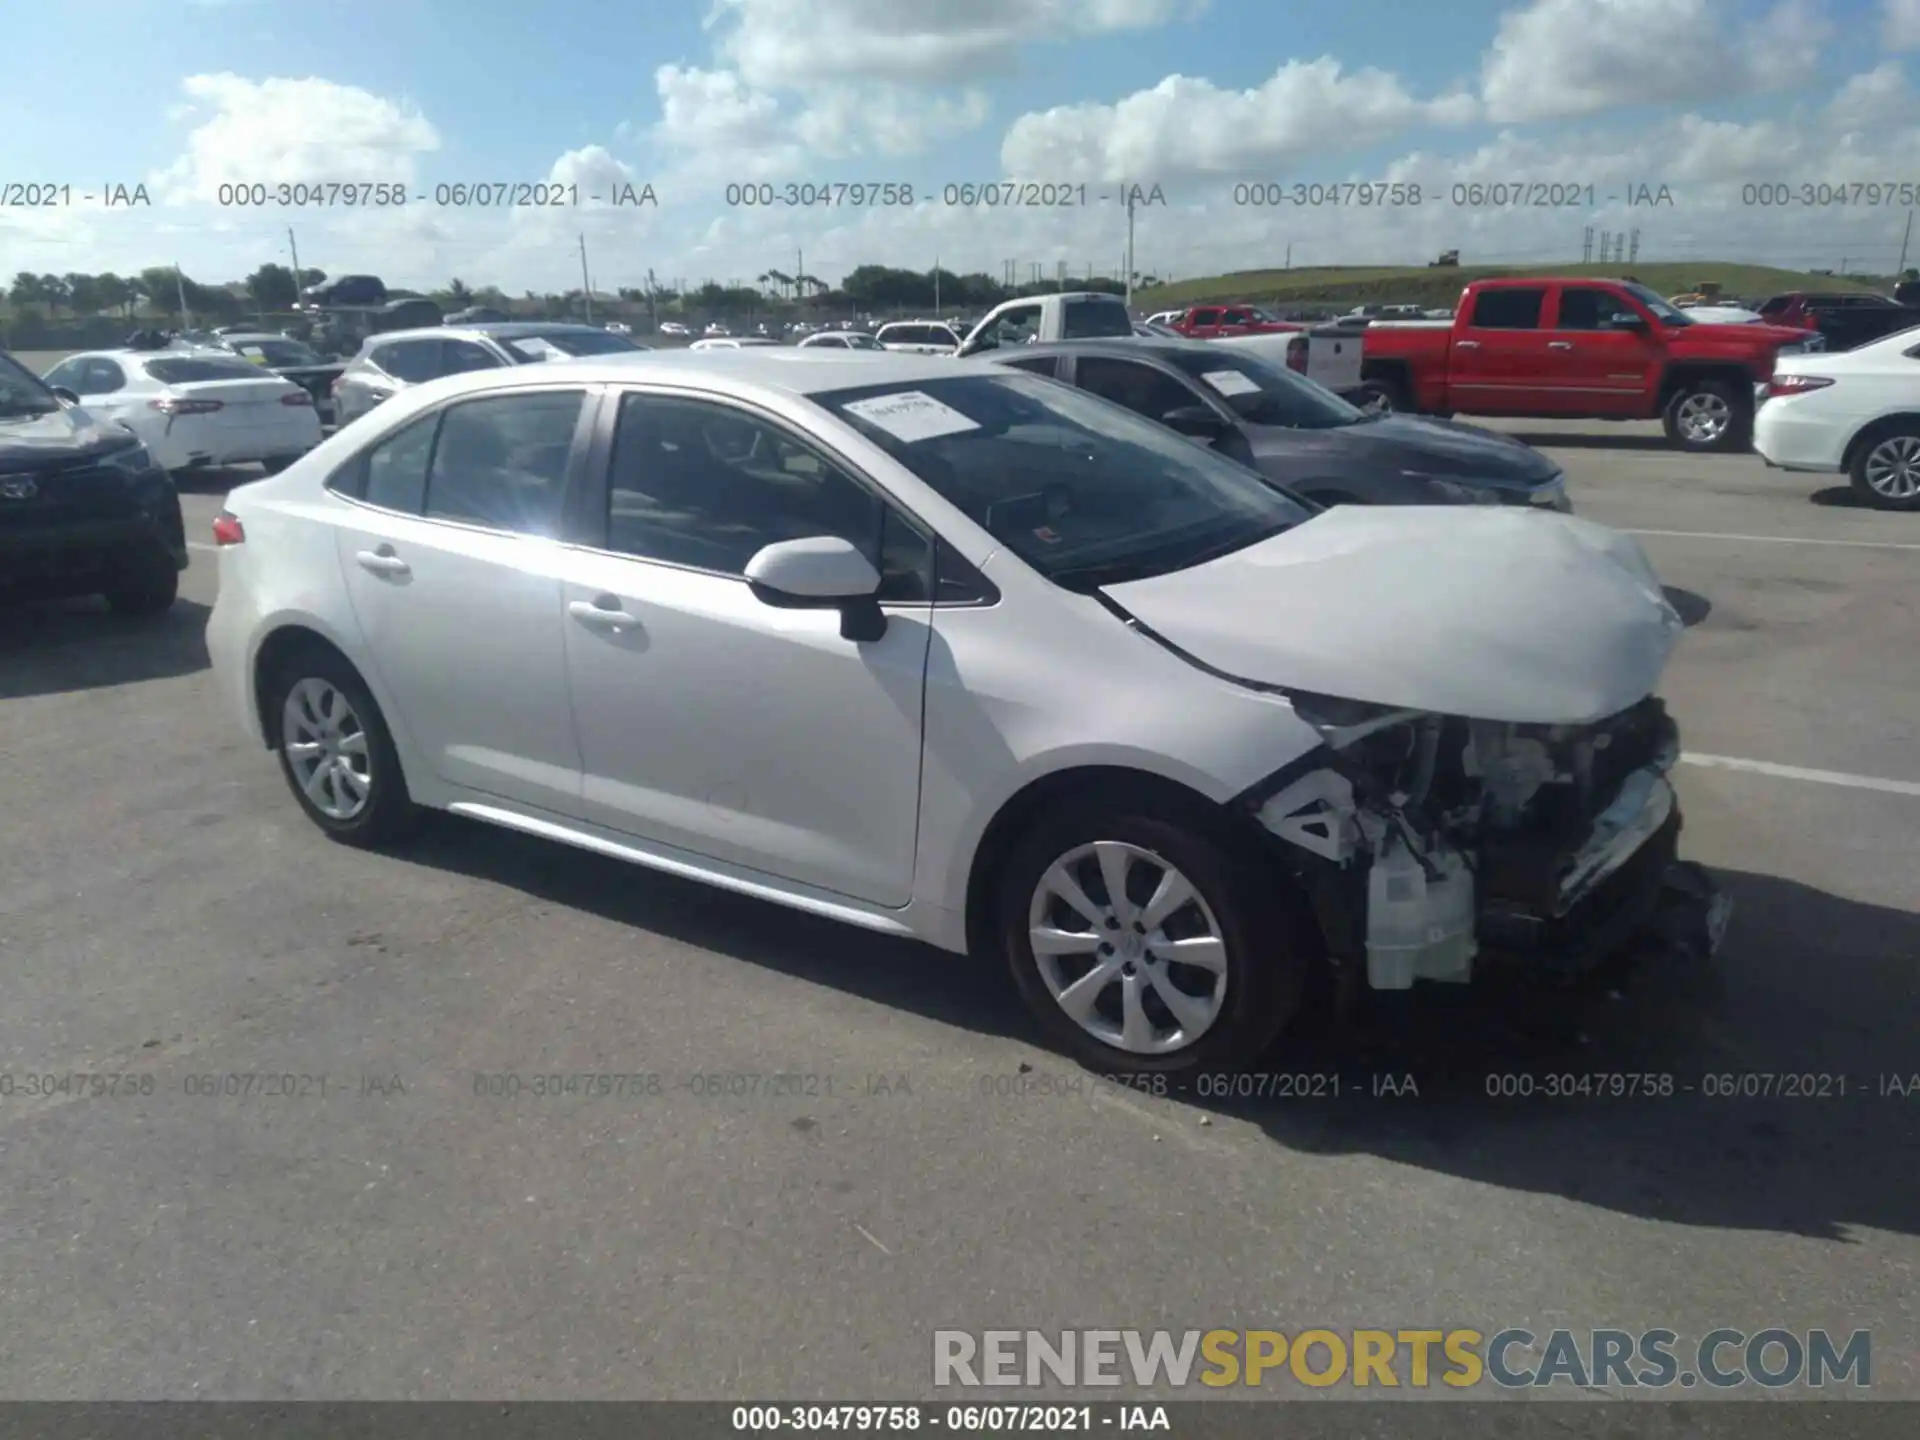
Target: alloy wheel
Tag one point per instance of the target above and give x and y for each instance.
(1893, 468)
(1702, 418)
(326, 748)
(1128, 948)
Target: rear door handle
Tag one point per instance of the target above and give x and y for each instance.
(1559, 345)
(383, 562)
(602, 613)
(1466, 344)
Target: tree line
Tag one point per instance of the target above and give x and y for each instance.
(160, 290)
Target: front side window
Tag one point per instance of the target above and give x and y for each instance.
(1084, 492)
(1141, 388)
(1507, 309)
(551, 344)
(1014, 326)
(707, 486)
(414, 361)
(501, 462)
(460, 357)
(1584, 309)
(24, 394)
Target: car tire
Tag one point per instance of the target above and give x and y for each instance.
(1261, 958)
(298, 714)
(148, 587)
(1692, 410)
(1881, 466)
(1376, 398)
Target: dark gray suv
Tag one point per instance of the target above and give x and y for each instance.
(388, 364)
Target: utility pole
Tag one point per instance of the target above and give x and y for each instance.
(586, 282)
(180, 293)
(294, 246)
(936, 285)
(799, 272)
(653, 301)
(1901, 268)
(1130, 199)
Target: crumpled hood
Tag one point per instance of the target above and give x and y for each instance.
(36, 441)
(1493, 614)
(1442, 448)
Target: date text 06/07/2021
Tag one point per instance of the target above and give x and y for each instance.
(968, 194)
(454, 195)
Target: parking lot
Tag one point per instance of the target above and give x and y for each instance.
(384, 1231)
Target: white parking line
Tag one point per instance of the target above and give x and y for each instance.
(1780, 539)
(1795, 772)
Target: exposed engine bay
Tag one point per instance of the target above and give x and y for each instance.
(1454, 837)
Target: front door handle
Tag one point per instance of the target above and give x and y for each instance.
(1466, 344)
(383, 562)
(1559, 345)
(602, 613)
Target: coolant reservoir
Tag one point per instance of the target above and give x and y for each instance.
(1418, 928)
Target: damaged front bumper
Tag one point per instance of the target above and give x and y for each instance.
(1407, 901)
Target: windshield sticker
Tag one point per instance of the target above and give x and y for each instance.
(910, 416)
(1230, 382)
(536, 348)
(1047, 534)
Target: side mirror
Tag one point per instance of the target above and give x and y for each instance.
(64, 395)
(822, 572)
(1195, 420)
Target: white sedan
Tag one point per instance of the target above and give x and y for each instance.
(194, 408)
(1856, 411)
(964, 655)
(729, 342)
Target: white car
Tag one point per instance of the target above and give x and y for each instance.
(843, 340)
(729, 342)
(964, 655)
(715, 329)
(1722, 315)
(1856, 411)
(919, 337)
(1165, 318)
(195, 408)
(673, 327)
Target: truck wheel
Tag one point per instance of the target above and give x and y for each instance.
(1708, 416)
(1886, 472)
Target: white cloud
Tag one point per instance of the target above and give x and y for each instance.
(1559, 58)
(1901, 28)
(776, 43)
(293, 131)
(1186, 126)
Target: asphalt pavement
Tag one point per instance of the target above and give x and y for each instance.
(379, 1223)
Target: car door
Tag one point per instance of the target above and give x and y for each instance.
(451, 562)
(718, 725)
(1601, 356)
(1497, 357)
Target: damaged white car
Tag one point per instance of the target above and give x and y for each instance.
(966, 655)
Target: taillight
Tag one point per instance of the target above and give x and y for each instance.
(1297, 355)
(298, 397)
(227, 529)
(1795, 384)
(169, 405)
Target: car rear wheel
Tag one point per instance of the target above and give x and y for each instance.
(148, 588)
(337, 753)
(1144, 943)
(1886, 471)
(1709, 416)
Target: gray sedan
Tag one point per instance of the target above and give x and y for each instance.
(1296, 433)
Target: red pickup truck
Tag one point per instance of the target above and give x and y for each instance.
(1210, 322)
(1579, 349)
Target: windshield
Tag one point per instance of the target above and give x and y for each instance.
(1662, 311)
(863, 342)
(1082, 490)
(277, 352)
(568, 343)
(22, 393)
(1267, 394)
(181, 371)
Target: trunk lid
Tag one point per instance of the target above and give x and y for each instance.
(1492, 614)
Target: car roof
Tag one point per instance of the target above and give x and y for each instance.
(184, 352)
(233, 335)
(1130, 347)
(785, 368)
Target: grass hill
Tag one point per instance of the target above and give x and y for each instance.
(1419, 285)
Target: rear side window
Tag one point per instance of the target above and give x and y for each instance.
(414, 361)
(1095, 319)
(1776, 306)
(1046, 365)
(187, 372)
(502, 462)
(1507, 309)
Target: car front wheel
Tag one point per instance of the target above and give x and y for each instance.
(337, 753)
(1145, 942)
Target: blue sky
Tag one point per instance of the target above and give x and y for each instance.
(1705, 96)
